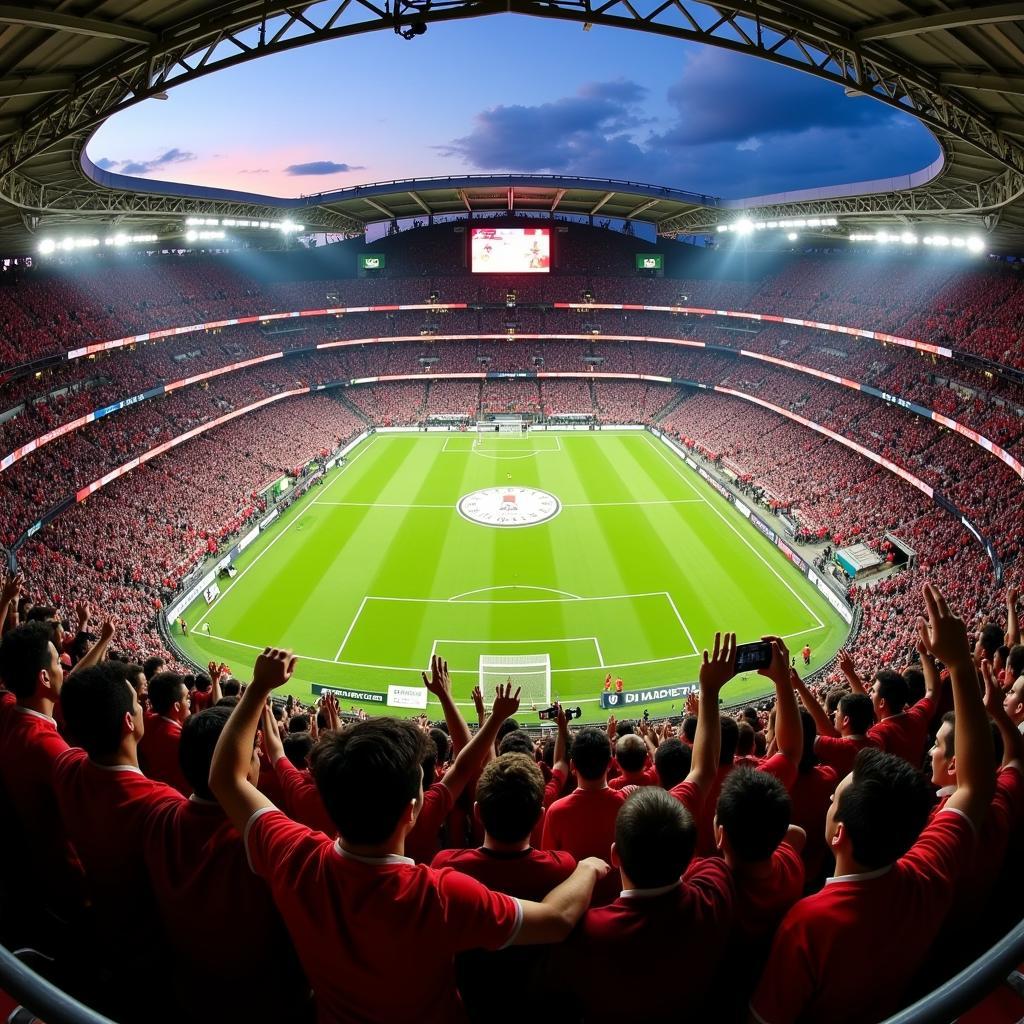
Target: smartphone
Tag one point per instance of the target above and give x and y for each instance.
(751, 657)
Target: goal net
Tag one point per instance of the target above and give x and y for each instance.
(492, 428)
(530, 672)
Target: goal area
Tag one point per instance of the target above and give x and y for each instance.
(489, 428)
(530, 672)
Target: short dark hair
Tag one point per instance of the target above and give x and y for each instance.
(516, 742)
(689, 728)
(915, 684)
(631, 752)
(672, 761)
(949, 747)
(730, 737)
(749, 714)
(24, 653)
(297, 748)
(199, 737)
(884, 807)
(991, 639)
(591, 753)
(834, 698)
(443, 743)
(231, 687)
(857, 707)
(509, 725)
(744, 739)
(510, 795)
(94, 702)
(201, 682)
(42, 613)
(228, 702)
(298, 723)
(754, 810)
(368, 774)
(1015, 660)
(893, 689)
(164, 689)
(131, 672)
(655, 837)
(151, 666)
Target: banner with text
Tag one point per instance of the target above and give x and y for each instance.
(654, 695)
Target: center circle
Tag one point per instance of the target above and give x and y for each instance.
(509, 506)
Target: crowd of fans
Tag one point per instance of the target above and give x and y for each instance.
(280, 862)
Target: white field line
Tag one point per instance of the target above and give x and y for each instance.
(516, 586)
(238, 579)
(451, 508)
(351, 626)
(600, 656)
(530, 600)
(682, 623)
(672, 460)
(380, 504)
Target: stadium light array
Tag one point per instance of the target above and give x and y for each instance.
(203, 236)
(49, 246)
(746, 226)
(971, 243)
(289, 227)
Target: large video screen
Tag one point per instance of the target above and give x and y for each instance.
(510, 250)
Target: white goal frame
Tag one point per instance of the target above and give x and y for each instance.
(532, 672)
(517, 428)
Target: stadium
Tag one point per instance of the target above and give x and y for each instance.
(588, 566)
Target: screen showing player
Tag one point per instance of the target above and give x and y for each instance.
(510, 250)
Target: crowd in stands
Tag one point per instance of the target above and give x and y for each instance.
(283, 863)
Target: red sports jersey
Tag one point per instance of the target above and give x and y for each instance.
(302, 800)
(29, 745)
(763, 899)
(906, 734)
(813, 974)
(644, 777)
(158, 753)
(682, 927)
(201, 700)
(811, 795)
(425, 838)
(377, 938)
(839, 752)
(526, 874)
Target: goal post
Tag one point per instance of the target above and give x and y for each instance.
(530, 672)
(490, 428)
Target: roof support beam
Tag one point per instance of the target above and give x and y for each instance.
(984, 82)
(962, 18)
(35, 85)
(604, 199)
(558, 198)
(642, 207)
(382, 209)
(422, 205)
(465, 199)
(34, 16)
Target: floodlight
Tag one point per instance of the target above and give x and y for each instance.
(975, 244)
(743, 227)
(191, 236)
(908, 239)
(46, 246)
(792, 236)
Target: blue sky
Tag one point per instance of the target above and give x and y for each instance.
(509, 93)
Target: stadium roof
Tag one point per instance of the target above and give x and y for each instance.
(64, 69)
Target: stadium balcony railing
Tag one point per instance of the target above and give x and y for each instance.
(941, 1006)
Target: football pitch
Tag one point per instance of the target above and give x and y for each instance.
(601, 550)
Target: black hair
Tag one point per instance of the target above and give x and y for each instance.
(367, 775)
(517, 742)
(591, 753)
(672, 761)
(151, 666)
(24, 653)
(754, 810)
(949, 747)
(231, 687)
(443, 743)
(884, 807)
(199, 737)
(509, 725)
(690, 728)
(1015, 660)
(807, 758)
(914, 678)
(745, 739)
(655, 836)
(730, 737)
(94, 702)
(857, 707)
(834, 698)
(164, 689)
(298, 723)
(991, 639)
(297, 748)
(510, 795)
(202, 682)
(893, 689)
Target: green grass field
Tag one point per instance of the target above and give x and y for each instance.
(369, 574)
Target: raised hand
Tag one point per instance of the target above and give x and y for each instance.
(778, 670)
(83, 613)
(440, 682)
(612, 726)
(12, 589)
(994, 696)
(108, 628)
(274, 667)
(845, 662)
(272, 745)
(692, 703)
(478, 703)
(720, 667)
(506, 703)
(943, 634)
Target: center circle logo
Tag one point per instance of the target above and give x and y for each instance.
(509, 506)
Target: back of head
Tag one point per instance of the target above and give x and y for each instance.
(744, 739)
(991, 639)
(883, 808)
(297, 747)
(202, 682)
(914, 679)
(516, 742)
(690, 728)
(892, 688)
(857, 707)
(631, 753)
(199, 737)
(152, 665)
(672, 761)
(807, 758)
(749, 715)
(24, 653)
(591, 753)
(1015, 661)
(509, 725)
(730, 737)
(231, 687)
(95, 702)
(443, 743)
(753, 809)
(298, 723)
(367, 775)
(833, 699)
(164, 689)
(654, 838)
(509, 797)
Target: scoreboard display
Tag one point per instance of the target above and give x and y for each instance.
(372, 261)
(650, 261)
(510, 250)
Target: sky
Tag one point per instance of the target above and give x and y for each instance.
(510, 93)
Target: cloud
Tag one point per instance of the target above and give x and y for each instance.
(321, 167)
(254, 170)
(736, 126)
(106, 164)
(143, 167)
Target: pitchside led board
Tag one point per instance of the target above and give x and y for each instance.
(372, 261)
(510, 250)
(650, 261)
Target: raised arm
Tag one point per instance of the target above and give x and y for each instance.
(1012, 625)
(552, 919)
(94, 655)
(715, 672)
(216, 673)
(229, 770)
(789, 731)
(9, 597)
(439, 684)
(945, 637)
(273, 747)
(473, 755)
(560, 761)
(1013, 741)
(847, 667)
(812, 706)
(932, 679)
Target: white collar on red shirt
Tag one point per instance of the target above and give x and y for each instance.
(391, 858)
(202, 800)
(648, 894)
(115, 767)
(864, 876)
(37, 714)
(945, 791)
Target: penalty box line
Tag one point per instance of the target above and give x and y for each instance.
(542, 640)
